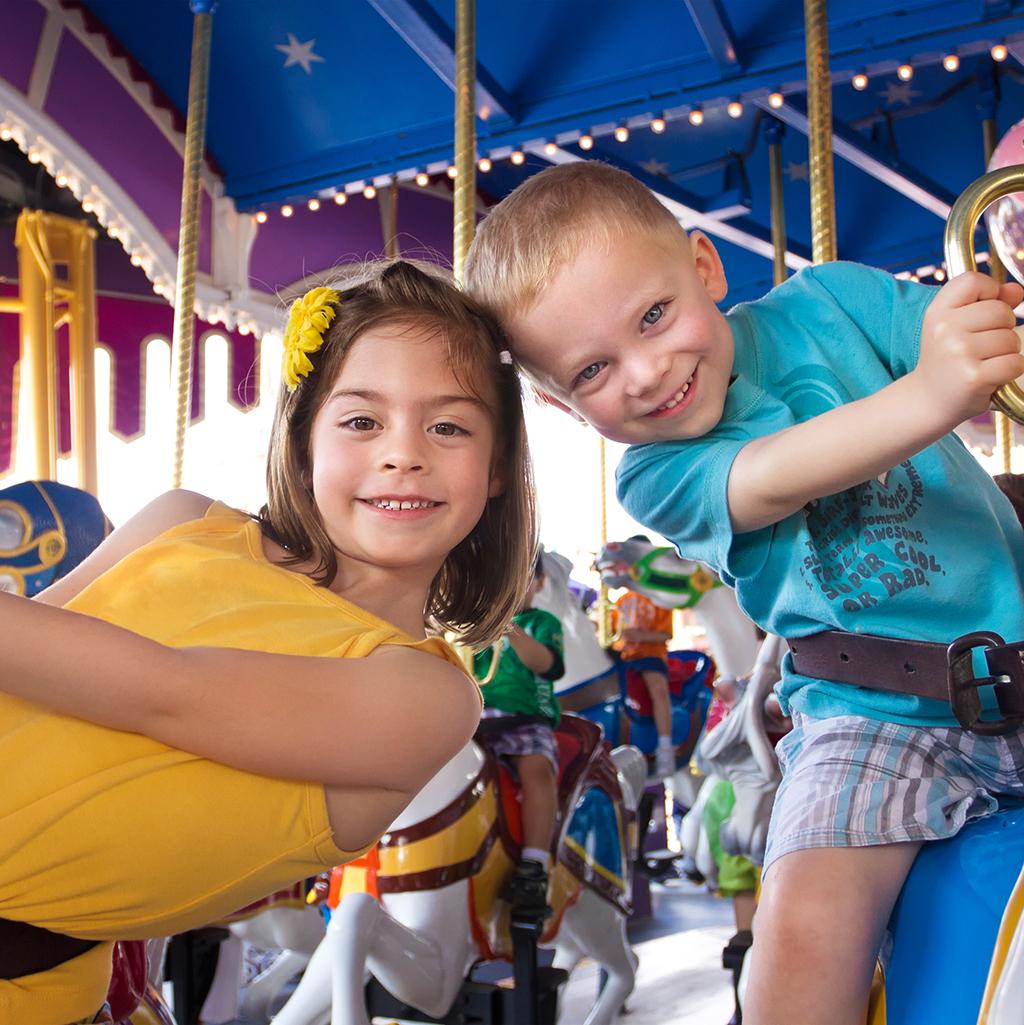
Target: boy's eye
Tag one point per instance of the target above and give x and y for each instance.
(448, 430)
(654, 314)
(589, 373)
(360, 423)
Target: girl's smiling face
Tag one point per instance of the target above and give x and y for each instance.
(402, 455)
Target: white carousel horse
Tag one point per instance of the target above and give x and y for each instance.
(422, 908)
(676, 583)
(738, 750)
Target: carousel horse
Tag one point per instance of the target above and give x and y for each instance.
(422, 907)
(676, 583)
(46, 529)
(612, 693)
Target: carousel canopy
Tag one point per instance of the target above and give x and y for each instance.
(314, 98)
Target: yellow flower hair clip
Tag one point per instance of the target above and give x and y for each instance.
(308, 319)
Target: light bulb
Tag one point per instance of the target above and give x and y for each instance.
(518, 157)
(621, 133)
(696, 116)
(735, 109)
(905, 72)
(586, 142)
(485, 165)
(314, 205)
(370, 192)
(550, 148)
(340, 198)
(451, 172)
(951, 62)
(999, 52)
(859, 81)
(658, 125)
(261, 217)
(422, 179)
(776, 100)
(287, 211)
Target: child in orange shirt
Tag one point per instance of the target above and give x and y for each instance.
(644, 630)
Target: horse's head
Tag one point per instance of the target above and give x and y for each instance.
(46, 529)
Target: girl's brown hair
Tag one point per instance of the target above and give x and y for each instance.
(482, 582)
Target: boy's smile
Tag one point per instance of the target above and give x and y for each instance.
(629, 337)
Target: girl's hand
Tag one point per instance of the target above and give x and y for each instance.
(969, 348)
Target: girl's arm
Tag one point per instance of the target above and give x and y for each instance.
(150, 522)
(968, 350)
(390, 720)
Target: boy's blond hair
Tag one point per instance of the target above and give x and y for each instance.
(545, 223)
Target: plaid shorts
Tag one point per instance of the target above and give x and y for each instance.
(531, 739)
(856, 782)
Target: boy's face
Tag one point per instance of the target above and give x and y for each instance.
(630, 338)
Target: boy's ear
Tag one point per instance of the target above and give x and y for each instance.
(709, 265)
(549, 400)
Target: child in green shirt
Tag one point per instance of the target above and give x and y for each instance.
(519, 712)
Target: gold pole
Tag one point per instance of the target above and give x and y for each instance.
(1000, 421)
(82, 343)
(774, 135)
(389, 220)
(188, 232)
(604, 610)
(819, 111)
(465, 131)
(38, 345)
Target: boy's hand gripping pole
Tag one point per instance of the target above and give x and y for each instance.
(959, 246)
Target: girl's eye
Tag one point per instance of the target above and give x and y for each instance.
(447, 430)
(360, 423)
(590, 372)
(654, 314)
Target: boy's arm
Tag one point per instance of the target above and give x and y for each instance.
(968, 350)
(398, 714)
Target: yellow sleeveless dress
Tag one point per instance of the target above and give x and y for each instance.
(107, 835)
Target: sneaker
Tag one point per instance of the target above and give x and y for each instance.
(665, 762)
(527, 889)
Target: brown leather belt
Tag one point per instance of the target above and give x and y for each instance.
(26, 949)
(922, 669)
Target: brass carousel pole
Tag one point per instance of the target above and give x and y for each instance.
(819, 110)
(774, 131)
(604, 610)
(188, 232)
(465, 131)
(990, 137)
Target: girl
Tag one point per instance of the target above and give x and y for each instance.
(296, 655)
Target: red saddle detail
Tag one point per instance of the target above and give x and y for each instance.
(680, 671)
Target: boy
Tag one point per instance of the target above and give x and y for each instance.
(520, 712)
(801, 446)
(644, 630)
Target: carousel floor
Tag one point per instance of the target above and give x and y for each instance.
(680, 980)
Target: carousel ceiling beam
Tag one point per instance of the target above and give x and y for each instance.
(715, 30)
(870, 158)
(690, 210)
(434, 41)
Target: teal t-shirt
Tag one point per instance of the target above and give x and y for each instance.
(515, 688)
(928, 551)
